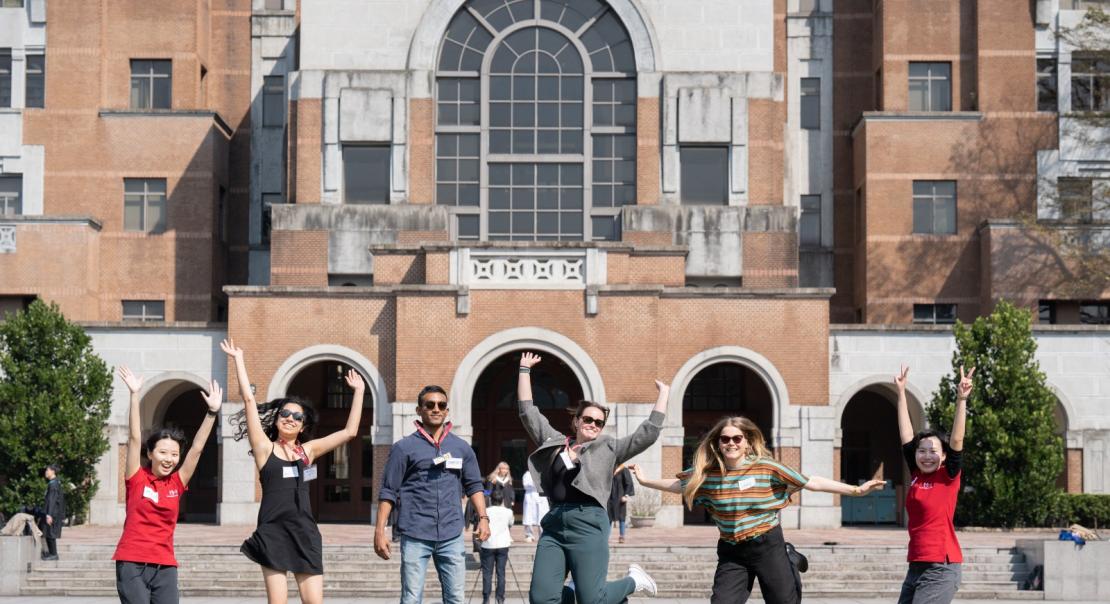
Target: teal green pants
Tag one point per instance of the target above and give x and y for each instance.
(576, 539)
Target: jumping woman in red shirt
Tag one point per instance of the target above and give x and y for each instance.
(934, 553)
(146, 570)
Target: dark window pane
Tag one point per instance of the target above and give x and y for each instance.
(811, 103)
(809, 228)
(468, 226)
(606, 228)
(5, 77)
(704, 175)
(36, 81)
(922, 216)
(366, 174)
(273, 101)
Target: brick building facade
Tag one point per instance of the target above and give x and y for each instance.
(767, 204)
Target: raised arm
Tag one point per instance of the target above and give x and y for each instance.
(321, 446)
(535, 424)
(826, 485)
(214, 397)
(905, 427)
(134, 384)
(963, 391)
(670, 485)
(260, 444)
(648, 432)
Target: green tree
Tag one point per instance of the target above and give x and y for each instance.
(1012, 455)
(55, 394)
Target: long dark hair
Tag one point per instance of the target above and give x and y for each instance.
(268, 415)
(174, 434)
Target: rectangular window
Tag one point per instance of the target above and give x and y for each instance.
(457, 170)
(535, 202)
(1046, 84)
(704, 175)
(144, 204)
(36, 81)
(12, 4)
(811, 103)
(614, 170)
(934, 207)
(151, 84)
(144, 310)
(809, 225)
(5, 77)
(273, 100)
(937, 314)
(1046, 312)
(1082, 4)
(1090, 83)
(273, 5)
(930, 86)
(1076, 199)
(1094, 313)
(366, 173)
(11, 195)
(268, 202)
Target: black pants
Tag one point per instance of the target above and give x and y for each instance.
(491, 556)
(762, 557)
(51, 546)
(138, 583)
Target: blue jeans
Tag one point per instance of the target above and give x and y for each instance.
(450, 565)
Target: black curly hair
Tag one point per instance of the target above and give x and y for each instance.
(268, 415)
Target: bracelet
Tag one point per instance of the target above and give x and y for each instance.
(211, 413)
(486, 518)
(523, 369)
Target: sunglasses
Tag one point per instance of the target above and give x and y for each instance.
(586, 419)
(734, 439)
(296, 415)
(442, 405)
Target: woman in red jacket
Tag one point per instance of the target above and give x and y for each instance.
(934, 459)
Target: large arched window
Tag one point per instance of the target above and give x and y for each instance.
(536, 120)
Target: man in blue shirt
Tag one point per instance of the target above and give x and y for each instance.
(427, 475)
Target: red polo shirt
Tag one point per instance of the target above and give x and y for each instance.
(930, 508)
(152, 507)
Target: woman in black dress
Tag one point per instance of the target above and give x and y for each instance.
(287, 539)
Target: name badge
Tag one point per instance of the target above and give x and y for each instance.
(567, 461)
(289, 472)
(309, 473)
(746, 483)
(150, 494)
(454, 463)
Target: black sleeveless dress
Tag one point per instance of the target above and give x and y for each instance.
(287, 537)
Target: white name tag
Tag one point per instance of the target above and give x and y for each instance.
(567, 461)
(454, 463)
(150, 494)
(289, 472)
(309, 473)
(746, 483)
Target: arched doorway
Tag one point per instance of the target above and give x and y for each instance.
(1060, 421)
(344, 490)
(498, 433)
(870, 449)
(186, 410)
(720, 390)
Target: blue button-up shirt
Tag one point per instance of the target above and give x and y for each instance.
(428, 495)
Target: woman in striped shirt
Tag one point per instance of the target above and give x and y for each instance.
(743, 488)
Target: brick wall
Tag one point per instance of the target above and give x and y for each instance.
(299, 258)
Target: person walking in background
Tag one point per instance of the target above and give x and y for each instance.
(623, 490)
(934, 555)
(54, 508)
(495, 550)
(535, 508)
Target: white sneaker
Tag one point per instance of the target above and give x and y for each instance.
(528, 538)
(644, 582)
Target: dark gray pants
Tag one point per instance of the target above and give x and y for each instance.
(138, 583)
(930, 583)
(763, 557)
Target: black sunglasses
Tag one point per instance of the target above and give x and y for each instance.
(734, 439)
(429, 405)
(297, 415)
(586, 419)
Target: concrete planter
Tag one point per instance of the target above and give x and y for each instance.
(1071, 572)
(16, 554)
(642, 521)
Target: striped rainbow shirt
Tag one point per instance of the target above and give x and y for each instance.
(745, 503)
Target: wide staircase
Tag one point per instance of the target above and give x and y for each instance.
(681, 572)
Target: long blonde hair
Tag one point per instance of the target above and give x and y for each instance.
(493, 475)
(708, 456)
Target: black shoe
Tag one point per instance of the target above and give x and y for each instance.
(50, 557)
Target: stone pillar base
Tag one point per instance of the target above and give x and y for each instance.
(237, 513)
(669, 516)
(16, 554)
(811, 517)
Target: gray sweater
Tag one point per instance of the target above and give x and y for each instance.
(598, 457)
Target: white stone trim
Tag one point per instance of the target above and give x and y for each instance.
(765, 369)
(1073, 439)
(537, 339)
(334, 352)
(153, 397)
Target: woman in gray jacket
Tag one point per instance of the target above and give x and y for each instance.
(576, 474)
